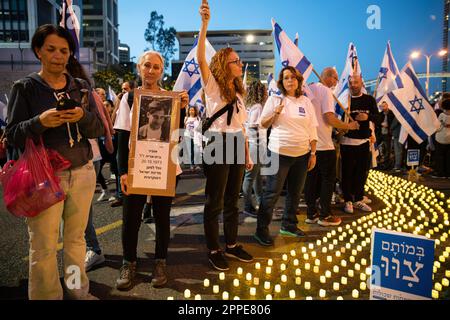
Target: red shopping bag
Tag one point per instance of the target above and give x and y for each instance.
(30, 185)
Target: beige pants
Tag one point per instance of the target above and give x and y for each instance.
(44, 283)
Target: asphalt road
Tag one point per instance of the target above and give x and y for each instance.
(187, 263)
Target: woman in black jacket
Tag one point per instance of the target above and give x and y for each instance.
(32, 113)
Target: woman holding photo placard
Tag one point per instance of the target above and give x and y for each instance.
(151, 69)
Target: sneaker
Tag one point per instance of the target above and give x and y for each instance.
(103, 195)
(218, 261)
(127, 273)
(252, 212)
(329, 221)
(312, 220)
(366, 200)
(338, 198)
(159, 274)
(112, 198)
(238, 253)
(348, 208)
(292, 232)
(264, 240)
(362, 206)
(93, 259)
(117, 203)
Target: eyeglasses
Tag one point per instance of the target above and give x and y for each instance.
(237, 61)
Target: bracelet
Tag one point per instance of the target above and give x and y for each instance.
(313, 153)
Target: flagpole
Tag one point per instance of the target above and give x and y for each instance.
(376, 87)
(335, 98)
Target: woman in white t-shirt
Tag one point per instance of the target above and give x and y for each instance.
(292, 144)
(151, 69)
(223, 156)
(191, 136)
(257, 140)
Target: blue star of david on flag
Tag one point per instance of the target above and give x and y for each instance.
(420, 105)
(285, 63)
(190, 72)
(383, 73)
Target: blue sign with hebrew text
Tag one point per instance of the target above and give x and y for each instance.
(403, 266)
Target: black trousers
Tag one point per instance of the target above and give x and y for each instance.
(355, 165)
(223, 183)
(320, 183)
(442, 157)
(132, 212)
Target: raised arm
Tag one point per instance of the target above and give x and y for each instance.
(201, 55)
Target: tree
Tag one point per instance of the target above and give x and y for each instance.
(161, 39)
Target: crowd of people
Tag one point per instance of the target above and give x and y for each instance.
(263, 145)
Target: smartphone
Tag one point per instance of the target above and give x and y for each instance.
(67, 104)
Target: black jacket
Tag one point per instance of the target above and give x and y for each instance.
(30, 97)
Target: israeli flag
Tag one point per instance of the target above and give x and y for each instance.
(290, 54)
(411, 107)
(389, 78)
(189, 77)
(272, 86)
(71, 23)
(342, 90)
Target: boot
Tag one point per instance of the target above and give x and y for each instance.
(159, 274)
(127, 273)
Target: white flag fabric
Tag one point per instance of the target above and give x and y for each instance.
(272, 86)
(189, 77)
(245, 77)
(411, 107)
(70, 22)
(3, 114)
(389, 76)
(290, 54)
(111, 95)
(342, 90)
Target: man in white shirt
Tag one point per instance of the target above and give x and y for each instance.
(320, 181)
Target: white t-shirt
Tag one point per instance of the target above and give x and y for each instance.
(255, 133)
(294, 128)
(214, 103)
(443, 134)
(123, 120)
(323, 103)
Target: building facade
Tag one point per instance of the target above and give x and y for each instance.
(101, 31)
(19, 20)
(445, 43)
(254, 47)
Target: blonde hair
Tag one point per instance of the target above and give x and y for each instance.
(149, 52)
(221, 72)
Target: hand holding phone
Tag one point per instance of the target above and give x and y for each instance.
(67, 104)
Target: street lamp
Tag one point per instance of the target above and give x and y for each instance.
(416, 54)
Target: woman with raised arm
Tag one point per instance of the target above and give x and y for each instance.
(151, 69)
(223, 87)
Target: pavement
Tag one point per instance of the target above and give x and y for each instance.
(187, 262)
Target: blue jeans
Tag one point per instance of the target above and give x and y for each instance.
(398, 148)
(253, 179)
(294, 169)
(90, 235)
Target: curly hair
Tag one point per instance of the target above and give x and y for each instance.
(221, 72)
(299, 77)
(256, 93)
